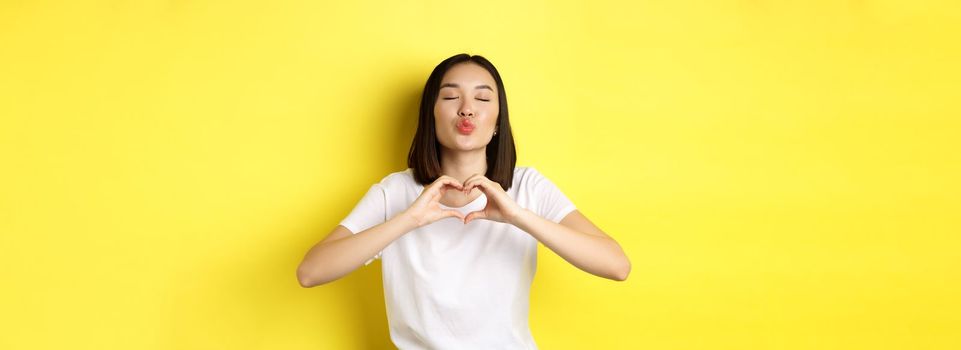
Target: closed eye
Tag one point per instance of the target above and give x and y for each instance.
(454, 98)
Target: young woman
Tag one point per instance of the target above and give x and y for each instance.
(457, 232)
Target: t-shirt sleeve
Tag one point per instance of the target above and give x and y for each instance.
(550, 203)
(369, 212)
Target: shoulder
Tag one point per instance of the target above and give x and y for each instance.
(402, 178)
(522, 172)
(527, 177)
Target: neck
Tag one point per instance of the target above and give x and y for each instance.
(462, 164)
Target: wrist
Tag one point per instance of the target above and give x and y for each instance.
(520, 217)
(409, 220)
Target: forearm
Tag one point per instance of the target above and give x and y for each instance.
(332, 260)
(597, 255)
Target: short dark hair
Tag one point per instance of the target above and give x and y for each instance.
(424, 156)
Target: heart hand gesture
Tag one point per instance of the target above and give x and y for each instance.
(500, 207)
(426, 208)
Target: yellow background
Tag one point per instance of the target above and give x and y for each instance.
(781, 174)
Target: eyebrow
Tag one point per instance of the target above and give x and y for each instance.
(476, 87)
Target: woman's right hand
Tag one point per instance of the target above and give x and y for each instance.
(426, 208)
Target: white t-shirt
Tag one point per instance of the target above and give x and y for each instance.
(448, 285)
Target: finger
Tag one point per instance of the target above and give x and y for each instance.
(445, 181)
(439, 183)
(475, 215)
(455, 182)
(472, 182)
(481, 183)
(434, 197)
(454, 213)
(437, 190)
(473, 178)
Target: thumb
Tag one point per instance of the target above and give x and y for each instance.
(475, 215)
(453, 213)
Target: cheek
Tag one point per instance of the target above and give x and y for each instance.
(442, 112)
(491, 112)
(441, 121)
(491, 108)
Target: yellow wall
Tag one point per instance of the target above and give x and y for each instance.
(781, 174)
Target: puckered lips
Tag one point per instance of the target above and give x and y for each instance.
(465, 127)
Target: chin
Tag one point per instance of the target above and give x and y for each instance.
(459, 142)
(465, 146)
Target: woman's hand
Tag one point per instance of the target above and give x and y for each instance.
(500, 207)
(426, 208)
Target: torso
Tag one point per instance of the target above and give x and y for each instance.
(455, 285)
(450, 285)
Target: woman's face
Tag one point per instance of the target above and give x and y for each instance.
(465, 114)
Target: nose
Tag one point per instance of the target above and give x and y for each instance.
(465, 111)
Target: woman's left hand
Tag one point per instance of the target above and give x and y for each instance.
(500, 207)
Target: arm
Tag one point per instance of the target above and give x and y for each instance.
(579, 242)
(343, 252)
(575, 238)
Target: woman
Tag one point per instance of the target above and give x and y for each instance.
(457, 232)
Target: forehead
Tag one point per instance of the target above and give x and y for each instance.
(468, 74)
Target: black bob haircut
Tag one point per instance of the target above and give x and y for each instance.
(424, 156)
